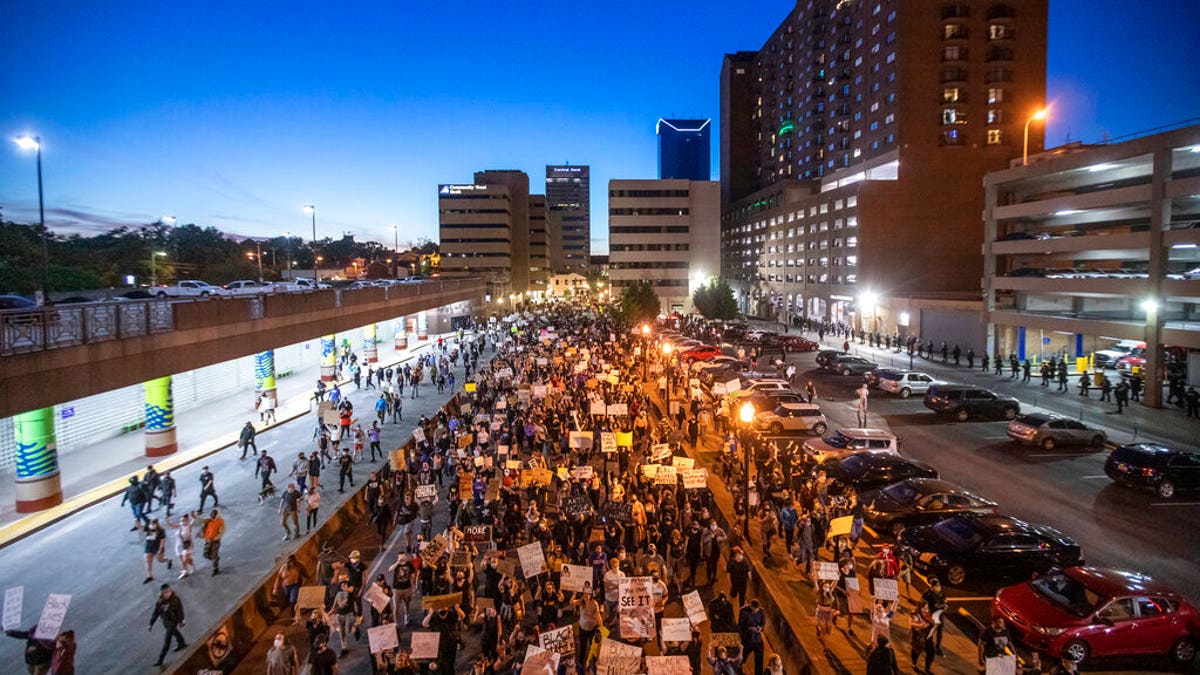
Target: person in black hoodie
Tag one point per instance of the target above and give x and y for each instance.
(169, 607)
(38, 653)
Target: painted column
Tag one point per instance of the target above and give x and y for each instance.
(402, 332)
(38, 485)
(370, 349)
(422, 326)
(1021, 343)
(328, 357)
(160, 418)
(264, 374)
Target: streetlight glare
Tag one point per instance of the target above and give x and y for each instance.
(747, 412)
(645, 329)
(1150, 305)
(667, 348)
(309, 208)
(868, 299)
(1041, 114)
(28, 142)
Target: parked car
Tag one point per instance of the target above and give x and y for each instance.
(849, 441)
(248, 287)
(1050, 431)
(921, 501)
(791, 417)
(189, 288)
(851, 365)
(904, 383)
(308, 284)
(767, 400)
(826, 355)
(990, 546)
(16, 302)
(1165, 470)
(750, 387)
(1086, 612)
(701, 353)
(1107, 358)
(964, 401)
(871, 471)
(795, 343)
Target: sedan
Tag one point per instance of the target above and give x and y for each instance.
(701, 353)
(987, 547)
(1082, 612)
(796, 343)
(921, 501)
(852, 365)
(826, 355)
(871, 471)
(1050, 431)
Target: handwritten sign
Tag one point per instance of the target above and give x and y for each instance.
(436, 602)
(694, 479)
(665, 475)
(575, 577)
(425, 644)
(533, 560)
(577, 505)
(419, 435)
(596, 408)
(619, 511)
(561, 641)
(660, 451)
(616, 649)
(13, 599)
(827, 571)
(580, 439)
(538, 391)
(618, 409)
(466, 486)
(477, 534)
(310, 597)
(53, 615)
(383, 637)
(885, 589)
(583, 472)
(668, 665)
(694, 606)
(676, 630)
(427, 491)
(539, 661)
(650, 470)
(378, 599)
(683, 463)
(608, 442)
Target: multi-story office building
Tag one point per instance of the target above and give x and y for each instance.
(568, 217)
(665, 232)
(1088, 247)
(854, 145)
(684, 149)
(494, 229)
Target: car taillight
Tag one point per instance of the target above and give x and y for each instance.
(1147, 472)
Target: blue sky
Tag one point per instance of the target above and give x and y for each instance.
(235, 114)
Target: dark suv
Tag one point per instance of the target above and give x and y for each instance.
(963, 401)
(1167, 470)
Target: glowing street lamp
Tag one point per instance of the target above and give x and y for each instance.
(746, 415)
(35, 143)
(1039, 115)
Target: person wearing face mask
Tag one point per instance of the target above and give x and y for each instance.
(282, 658)
(321, 659)
(711, 542)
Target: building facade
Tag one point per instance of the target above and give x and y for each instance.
(1087, 247)
(568, 217)
(684, 149)
(853, 148)
(666, 232)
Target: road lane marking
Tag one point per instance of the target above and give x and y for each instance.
(1175, 504)
(1094, 477)
(1060, 454)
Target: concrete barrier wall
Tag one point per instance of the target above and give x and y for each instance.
(227, 643)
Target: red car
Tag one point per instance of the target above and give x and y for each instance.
(701, 353)
(796, 343)
(1084, 612)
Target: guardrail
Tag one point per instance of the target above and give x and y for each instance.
(23, 331)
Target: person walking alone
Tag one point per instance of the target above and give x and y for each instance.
(246, 439)
(169, 608)
(207, 488)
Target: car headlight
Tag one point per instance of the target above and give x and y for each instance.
(1050, 630)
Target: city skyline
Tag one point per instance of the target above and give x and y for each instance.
(236, 118)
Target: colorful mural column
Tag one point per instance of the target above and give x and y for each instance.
(160, 418)
(264, 374)
(422, 326)
(38, 485)
(328, 357)
(370, 349)
(402, 333)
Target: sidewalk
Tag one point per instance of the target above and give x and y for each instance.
(103, 469)
(93, 557)
(1137, 424)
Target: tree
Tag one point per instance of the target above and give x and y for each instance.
(639, 302)
(715, 301)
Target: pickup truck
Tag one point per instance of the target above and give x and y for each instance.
(248, 287)
(189, 288)
(302, 284)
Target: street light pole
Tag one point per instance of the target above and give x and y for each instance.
(746, 414)
(35, 143)
(396, 249)
(1039, 115)
(313, 210)
(258, 249)
(645, 350)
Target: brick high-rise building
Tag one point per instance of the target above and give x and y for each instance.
(854, 144)
(568, 217)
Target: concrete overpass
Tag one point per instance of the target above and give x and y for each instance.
(58, 354)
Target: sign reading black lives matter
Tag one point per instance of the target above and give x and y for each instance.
(618, 511)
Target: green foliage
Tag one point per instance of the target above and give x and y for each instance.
(715, 301)
(639, 302)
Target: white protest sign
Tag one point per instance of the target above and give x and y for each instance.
(676, 630)
(13, 599)
(539, 661)
(660, 451)
(539, 391)
(378, 599)
(683, 463)
(694, 606)
(617, 409)
(560, 641)
(583, 472)
(885, 589)
(608, 442)
(615, 648)
(427, 491)
(694, 479)
(1002, 665)
(533, 560)
(650, 470)
(53, 615)
(665, 475)
(425, 644)
(383, 637)
(575, 577)
(419, 434)
(827, 571)
(718, 389)
(579, 439)
(596, 408)
(668, 665)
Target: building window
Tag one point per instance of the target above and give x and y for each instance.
(852, 200)
(951, 95)
(995, 137)
(954, 32)
(953, 53)
(951, 137)
(995, 95)
(998, 31)
(995, 116)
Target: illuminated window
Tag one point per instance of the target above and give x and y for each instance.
(951, 95)
(995, 137)
(995, 116)
(995, 95)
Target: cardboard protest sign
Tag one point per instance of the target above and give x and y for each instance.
(426, 491)
(665, 475)
(533, 560)
(378, 599)
(436, 602)
(668, 665)
(650, 470)
(635, 603)
(13, 599)
(539, 661)
(596, 408)
(330, 417)
(576, 578)
(618, 409)
(608, 442)
(466, 440)
(434, 549)
(683, 463)
(694, 606)
(577, 505)
(310, 597)
(561, 641)
(460, 558)
(840, 526)
(425, 644)
(541, 477)
(694, 479)
(610, 648)
(53, 614)
(507, 566)
(466, 486)
(512, 464)
(676, 630)
(827, 571)
(477, 534)
(580, 439)
(481, 603)
(383, 637)
(419, 434)
(726, 640)
(493, 490)
(660, 451)
(583, 472)
(885, 589)
(624, 439)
